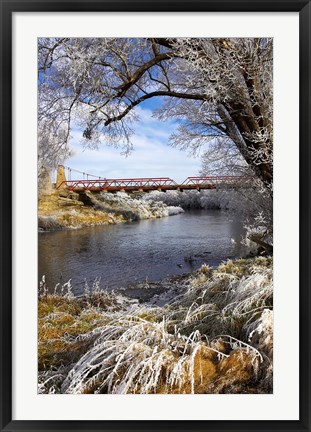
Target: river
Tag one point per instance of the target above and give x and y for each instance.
(123, 254)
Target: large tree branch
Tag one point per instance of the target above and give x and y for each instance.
(141, 70)
(149, 96)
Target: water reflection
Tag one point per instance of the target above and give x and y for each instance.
(149, 249)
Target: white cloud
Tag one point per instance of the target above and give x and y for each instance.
(152, 156)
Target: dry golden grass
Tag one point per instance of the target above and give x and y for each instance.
(235, 374)
(64, 319)
(54, 304)
(208, 375)
(61, 321)
(242, 267)
(52, 215)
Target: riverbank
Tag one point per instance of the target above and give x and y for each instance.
(67, 210)
(210, 332)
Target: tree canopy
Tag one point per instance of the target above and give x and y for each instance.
(220, 90)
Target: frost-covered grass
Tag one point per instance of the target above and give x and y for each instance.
(134, 207)
(216, 336)
(62, 318)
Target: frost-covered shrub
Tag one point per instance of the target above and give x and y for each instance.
(186, 199)
(244, 202)
(134, 208)
(259, 232)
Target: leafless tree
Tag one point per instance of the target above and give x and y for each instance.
(219, 89)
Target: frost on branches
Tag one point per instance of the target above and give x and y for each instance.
(219, 89)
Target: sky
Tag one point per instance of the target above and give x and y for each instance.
(152, 155)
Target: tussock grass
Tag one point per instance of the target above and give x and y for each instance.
(216, 336)
(63, 319)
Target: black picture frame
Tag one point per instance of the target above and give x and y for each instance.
(8, 7)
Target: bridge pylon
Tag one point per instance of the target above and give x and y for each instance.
(61, 178)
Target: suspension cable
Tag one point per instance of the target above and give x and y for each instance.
(71, 170)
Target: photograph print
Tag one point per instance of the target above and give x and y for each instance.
(155, 225)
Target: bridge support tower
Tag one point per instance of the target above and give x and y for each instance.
(61, 178)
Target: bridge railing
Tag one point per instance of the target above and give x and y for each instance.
(200, 181)
(119, 183)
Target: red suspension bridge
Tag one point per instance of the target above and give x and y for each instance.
(147, 184)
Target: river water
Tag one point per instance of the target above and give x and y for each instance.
(123, 254)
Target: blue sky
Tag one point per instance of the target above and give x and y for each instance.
(152, 155)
